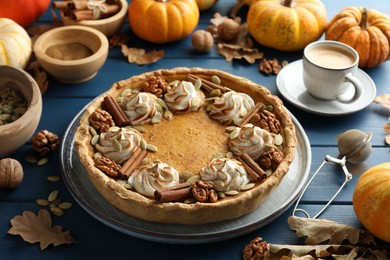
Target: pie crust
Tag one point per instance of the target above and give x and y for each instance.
(230, 207)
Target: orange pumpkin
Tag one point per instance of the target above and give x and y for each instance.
(367, 31)
(23, 12)
(205, 4)
(163, 21)
(371, 200)
(286, 25)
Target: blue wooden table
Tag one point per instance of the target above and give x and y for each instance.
(95, 240)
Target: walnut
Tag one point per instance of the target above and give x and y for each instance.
(108, 166)
(267, 121)
(45, 142)
(101, 120)
(202, 41)
(228, 30)
(203, 191)
(155, 85)
(256, 250)
(11, 173)
(268, 66)
(271, 159)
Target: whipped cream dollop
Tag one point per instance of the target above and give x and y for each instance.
(152, 176)
(184, 97)
(252, 140)
(225, 174)
(231, 107)
(141, 108)
(118, 144)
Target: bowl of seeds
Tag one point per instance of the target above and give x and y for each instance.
(20, 108)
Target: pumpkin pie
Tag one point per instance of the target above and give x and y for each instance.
(186, 145)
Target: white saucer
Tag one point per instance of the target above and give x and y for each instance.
(290, 84)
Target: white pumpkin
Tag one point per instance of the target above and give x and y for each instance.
(15, 44)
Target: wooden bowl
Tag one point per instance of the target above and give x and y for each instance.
(15, 134)
(108, 26)
(71, 54)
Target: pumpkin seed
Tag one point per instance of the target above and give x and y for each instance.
(230, 129)
(156, 118)
(217, 156)
(65, 205)
(92, 131)
(193, 179)
(168, 115)
(269, 108)
(55, 203)
(53, 196)
(159, 108)
(247, 186)
(95, 139)
(114, 129)
(174, 83)
(215, 93)
(31, 159)
(117, 145)
(97, 155)
(189, 200)
(185, 175)
(162, 103)
(151, 148)
(57, 211)
(284, 63)
(278, 139)
(198, 84)
(126, 92)
(20, 110)
(229, 155)
(215, 79)
(42, 202)
(141, 110)
(143, 144)
(249, 125)
(53, 178)
(196, 102)
(231, 192)
(235, 133)
(221, 194)
(42, 161)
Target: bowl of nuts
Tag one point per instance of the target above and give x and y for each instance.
(71, 54)
(20, 108)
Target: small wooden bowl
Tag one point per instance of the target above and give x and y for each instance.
(86, 50)
(108, 26)
(15, 134)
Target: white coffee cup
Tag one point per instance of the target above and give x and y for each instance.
(327, 66)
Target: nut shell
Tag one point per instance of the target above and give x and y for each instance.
(202, 41)
(228, 30)
(11, 173)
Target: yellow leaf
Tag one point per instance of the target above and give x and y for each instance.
(38, 228)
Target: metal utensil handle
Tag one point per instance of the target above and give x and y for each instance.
(348, 177)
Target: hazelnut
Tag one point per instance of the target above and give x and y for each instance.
(228, 30)
(202, 41)
(11, 173)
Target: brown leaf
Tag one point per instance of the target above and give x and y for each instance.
(383, 100)
(37, 228)
(140, 56)
(231, 52)
(320, 230)
(308, 252)
(40, 77)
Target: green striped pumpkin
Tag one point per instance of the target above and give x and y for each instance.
(15, 44)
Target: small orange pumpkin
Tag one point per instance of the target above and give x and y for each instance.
(371, 200)
(23, 12)
(286, 25)
(163, 21)
(367, 31)
(205, 4)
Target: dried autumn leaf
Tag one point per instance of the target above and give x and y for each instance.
(309, 252)
(383, 100)
(38, 228)
(231, 52)
(320, 230)
(40, 77)
(218, 18)
(140, 56)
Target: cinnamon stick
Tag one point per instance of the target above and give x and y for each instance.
(133, 162)
(116, 111)
(59, 5)
(174, 193)
(207, 85)
(87, 14)
(250, 114)
(255, 170)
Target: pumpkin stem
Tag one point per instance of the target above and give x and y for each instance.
(364, 22)
(287, 3)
